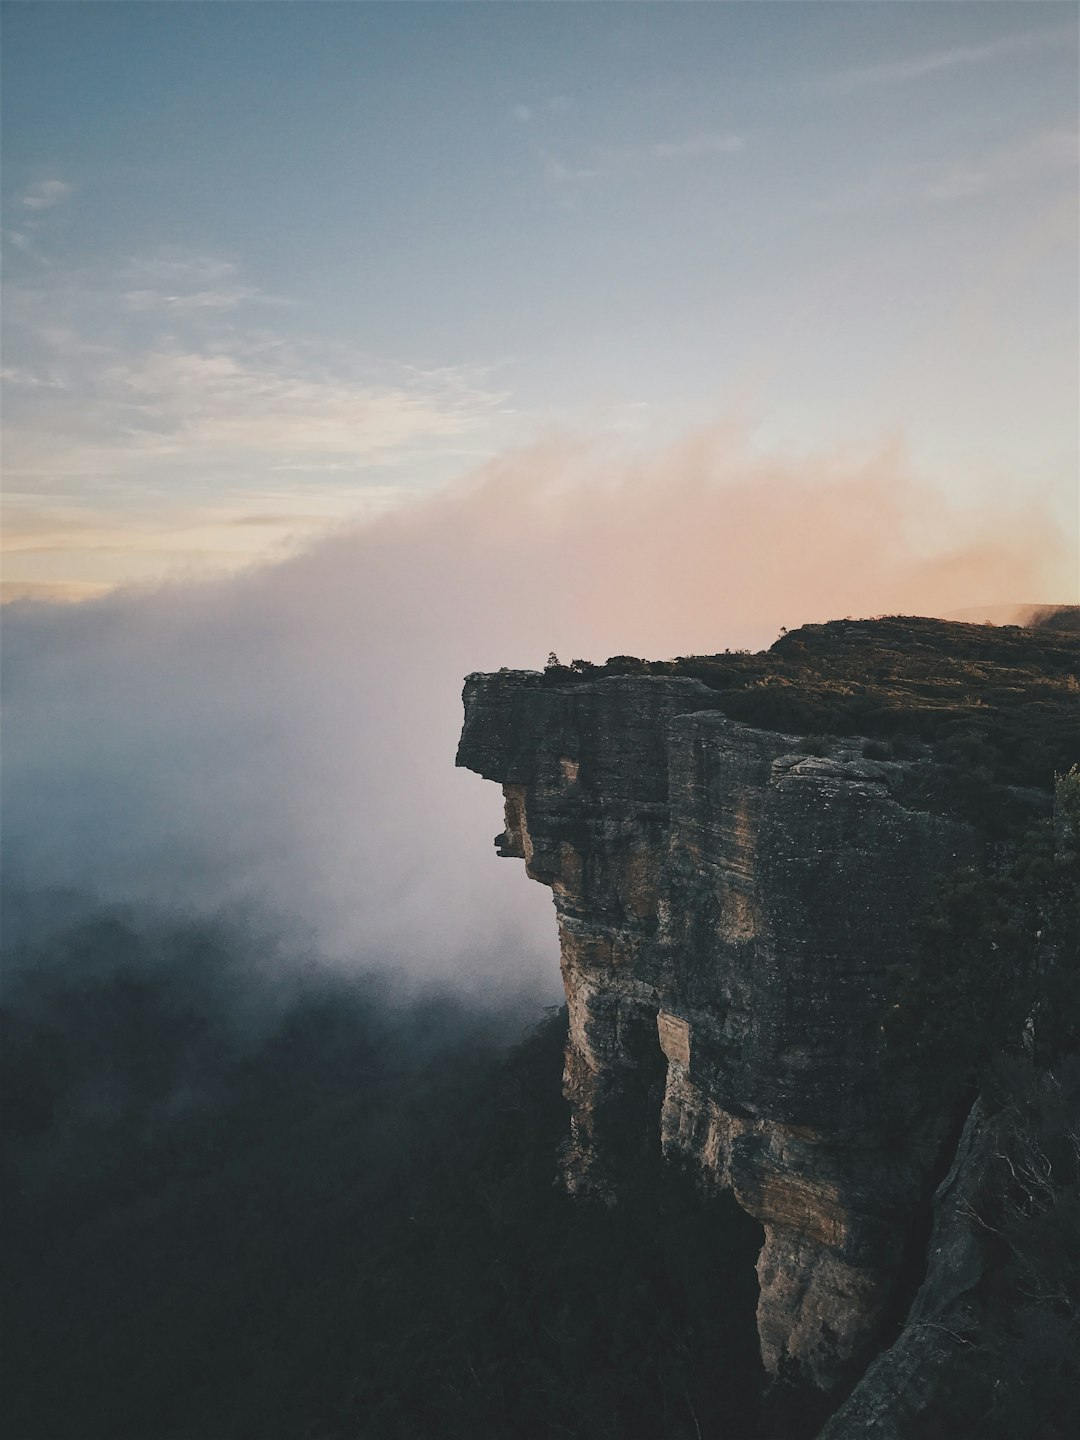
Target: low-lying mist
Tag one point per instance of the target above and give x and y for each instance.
(279, 746)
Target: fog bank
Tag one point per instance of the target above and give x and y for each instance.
(282, 743)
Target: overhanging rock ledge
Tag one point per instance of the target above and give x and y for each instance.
(729, 906)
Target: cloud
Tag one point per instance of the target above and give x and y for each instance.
(174, 265)
(163, 404)
(222, 299)
(557, 172)
(1044, 155)
(551, 105)
(1051, 152)
(283, 742)
(53, 592)
(118, 410)
(85, 544)
(173, 401)
(16, 375)
(44, 194)
(33, 225)
(613, 160)
(179, 282)
(695, 146)
(937, 62)
(209, 391)
(23, 242)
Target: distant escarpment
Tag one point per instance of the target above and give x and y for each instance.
(746, 852)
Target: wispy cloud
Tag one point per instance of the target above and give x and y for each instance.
(44, 194)
(1048, 153)
(558, 172)
(32, 227)
(903, 69)
(160, 401)
(614, 160)
(1053, 152)
(227, 298)
(550, 105)
(695, 146)
(178, 401)
(174, 266)
(17, 375)
(179, 282)
(23, 242)
(180, 410)
(46, 537)
(55, 592)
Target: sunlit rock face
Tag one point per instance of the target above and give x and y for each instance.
(729, 907)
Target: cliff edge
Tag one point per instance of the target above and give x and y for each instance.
(739, 847)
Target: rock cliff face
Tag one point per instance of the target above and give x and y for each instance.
(729, 906)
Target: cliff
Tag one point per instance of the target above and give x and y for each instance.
(738, 848)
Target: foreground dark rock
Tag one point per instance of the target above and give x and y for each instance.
(901, 1385)
(991, 1344)
(732, 901)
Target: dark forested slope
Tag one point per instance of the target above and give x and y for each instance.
(331, 1214)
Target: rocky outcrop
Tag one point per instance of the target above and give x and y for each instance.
(730, 901)
(991, 1343)
(900, 1388)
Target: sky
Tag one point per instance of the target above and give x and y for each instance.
(271, 269)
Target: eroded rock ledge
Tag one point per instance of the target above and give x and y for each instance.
(730, 902)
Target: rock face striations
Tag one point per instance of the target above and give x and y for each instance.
(730, 902)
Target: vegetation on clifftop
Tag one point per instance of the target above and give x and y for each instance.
(998, 705)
